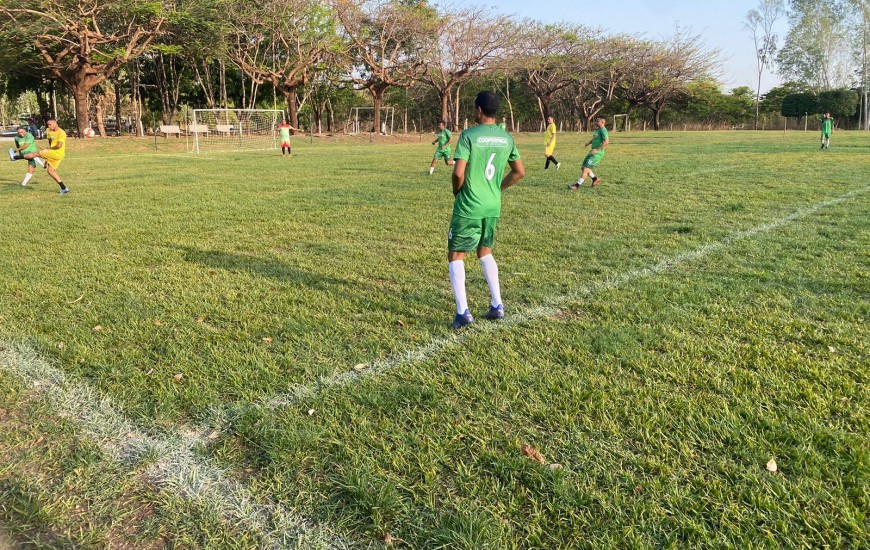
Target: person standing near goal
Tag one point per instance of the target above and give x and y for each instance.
(550, 140)
(827, 130)
(443, 151)
(600, 140)
(55, 153)
(284, 133)
(478, 181)
(24, 144)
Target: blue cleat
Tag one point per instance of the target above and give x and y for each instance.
(495, 313)
(461, 320)
(64, 191)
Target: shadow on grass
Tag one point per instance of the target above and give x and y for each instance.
(264, 267)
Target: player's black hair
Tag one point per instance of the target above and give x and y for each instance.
(488, 103)
(601, 118)
(440, 122)
(25, 128)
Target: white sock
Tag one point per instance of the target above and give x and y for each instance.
(591, 175)
(490, 273)
(26, 178)
(457, 281)
(580, 181)
(431, 170)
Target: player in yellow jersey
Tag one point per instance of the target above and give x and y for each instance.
(55, 153)
(550, 143)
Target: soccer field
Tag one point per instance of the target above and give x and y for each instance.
(236, 350)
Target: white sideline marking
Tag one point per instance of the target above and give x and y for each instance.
(173, 465)
(548, 309)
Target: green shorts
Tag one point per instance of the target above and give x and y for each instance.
(442, 154)
(466, 234)
(826, 135)
(591, 160)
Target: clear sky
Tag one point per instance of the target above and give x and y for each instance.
(720, 22)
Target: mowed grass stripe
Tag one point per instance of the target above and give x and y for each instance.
(550, 308)
(174, 465)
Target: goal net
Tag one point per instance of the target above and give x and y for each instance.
(234, 129)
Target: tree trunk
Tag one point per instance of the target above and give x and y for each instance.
(377, 102)
(657, 118)
(456, 118)
(98, 106)
(118, 105)
(445, 100)
(81, 94)
(292, 108)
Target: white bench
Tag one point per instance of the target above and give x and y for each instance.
(167, 129)
(198, 129)
(224, 129)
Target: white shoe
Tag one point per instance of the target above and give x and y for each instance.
(558, 165)
(39, 161)
(11, 154)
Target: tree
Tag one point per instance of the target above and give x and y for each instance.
(549, 59)
(798, 105)
(464, 44)
(816, 49)
(383, 34)
(759, 23)
(81, 43)
(282, 43)
(840, 103)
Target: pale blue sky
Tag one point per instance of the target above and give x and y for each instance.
(720, 22)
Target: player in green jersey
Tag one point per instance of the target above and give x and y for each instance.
(600, 140)
(443, 151)
(503, 124)
(827, 130)
(478, 181)
(24, 144)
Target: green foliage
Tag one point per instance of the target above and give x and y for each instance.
(840, 103)
(798, 105)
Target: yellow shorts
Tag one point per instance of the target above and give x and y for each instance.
(52, 157)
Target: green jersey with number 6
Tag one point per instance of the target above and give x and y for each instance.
(487, 149)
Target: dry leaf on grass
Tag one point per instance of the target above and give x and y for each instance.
(267, 340)
(359, 366)
(832, 349)
(388, 539)
(157, 323)
(200, 320)
(555, 466)
(61, 345)
(771, 465)
(178, 377)
(533, 453)
(310, 412)
(98, 328)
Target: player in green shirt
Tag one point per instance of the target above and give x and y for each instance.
(827, 130)
(25, 143)
(600, 140)
(443, 151)
(284, 133)
(478, 181)
(503, 124)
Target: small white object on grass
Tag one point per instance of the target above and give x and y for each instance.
(771, 465)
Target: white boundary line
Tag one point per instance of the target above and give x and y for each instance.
(173, 464)
(551, 308)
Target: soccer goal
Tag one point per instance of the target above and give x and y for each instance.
(626, 124)
(234, 129)
(361, 120)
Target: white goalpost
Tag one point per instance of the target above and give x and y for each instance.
(234, 129)
(626, 124)
(360, 120)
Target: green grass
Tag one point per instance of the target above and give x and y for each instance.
(662, 398)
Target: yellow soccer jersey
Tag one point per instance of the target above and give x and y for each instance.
(55, 137)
